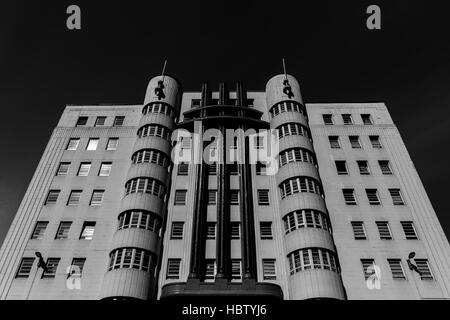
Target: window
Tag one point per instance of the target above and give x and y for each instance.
(396, 269)
(82, 121)
(151, 156)
(154, 130)
(177, 230)
(52, 197)
(263, 197)
(349, 196)
(424, 268)
(105, 169)
(236, 270)
(233, 169)
(334, 142)
(234, 197)
(375, 141)
(97, 197)
(363, 166)
(180, 197)
(195, 103)
(286, 106)
(84, 169)
(63, 169)
(118, 121)
(212, 170)
(359, 231)
(384, 166)
(210, 270)
(250, 102)
(261, 169)
(265, 228)
(173, 268)
(100, 121)
(269, 269)
(372, 196)
(63, 230)
(112, 143)
(327, 119)
(52, 266)
(305, 219)
(74, 197)
(76, 268)
(145, 185)
(92, 144)
(73, 144)
(39, 230)
(354, 142)
(134, 258)
(235, 230)
(87, 232)
(211, 230)
(183, 169)
(299, 184)
(366, 119)
(292, 128)
(212, 197)
(341, 167)
(295, 155)
(396, 196)
(139, 219)
(384, 230)
(409, 230)
(158, 107)
(347, 119)
(25, 268)
(308, 258)
(367, 265)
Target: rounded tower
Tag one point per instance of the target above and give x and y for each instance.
(136, 241)
(313, 265)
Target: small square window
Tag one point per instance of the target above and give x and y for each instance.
(349, 196)
(112, 143)
(52, 197)
(261, 169)
(195, 103)
(327, 119)
(63, 230)
(73, 144)
(210, 270)
(105, 169)
(183, 169)
(212, 197)
(97, 197)
(269, 269)
(384, 230)
(341, 167)
(375, 141)
(372, 196)
(92, 144)
(173, 268)
(424, 268)
(409, 230)
(84, 169)
(211, 231)
(334, 142)
(39, 230)
(368, 268)
(347, 119)
(118, 121)
(363, 167)
(359, 231)
(233, 168)
(397, 269)
(354, 142)
(263, 197)
(385, 167)
(177, 230)
(25, 268)
(236, 274)
(74, 197)
(82, 121)
(52, 266)
(265, 228)
(76, 268)
(180, 197)
(87, 232)
(235, 230)
(250, 102)
(100, 121)
(396, 196)
(234, 197)
(366, 119)
(63, 169)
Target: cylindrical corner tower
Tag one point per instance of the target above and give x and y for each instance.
(313, 265)
(136, 242)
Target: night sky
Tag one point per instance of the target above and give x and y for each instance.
(44, 66)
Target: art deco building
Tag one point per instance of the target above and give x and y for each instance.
(115, 214)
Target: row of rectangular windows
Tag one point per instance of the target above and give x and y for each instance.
(84, 169)
(347, 119)
(92, 144)
(372, 196)
(265, 228)
(359, 231)
(75, 197)
(100, 121)
(397, 270)
(233, 169)
(75, 269)
(262, 194)
(355, 142)
(363, 166)
(87, 230)
(231, 101)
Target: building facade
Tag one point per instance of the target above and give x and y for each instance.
(119, 210)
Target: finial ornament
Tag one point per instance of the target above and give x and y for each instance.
(159, 90)
(287, 89)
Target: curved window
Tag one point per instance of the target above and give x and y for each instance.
(147, 185)
(132, 258)
(154, 130)
(286, 106)
(159, 107)
(139, 219)
(150, 156)
(311, 258)
(293, 128)
(299, 184)
(296, 155)
(305, 219)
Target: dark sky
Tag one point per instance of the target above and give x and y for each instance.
(44, 66)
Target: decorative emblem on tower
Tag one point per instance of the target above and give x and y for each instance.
(287, 89)
(159, 90)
